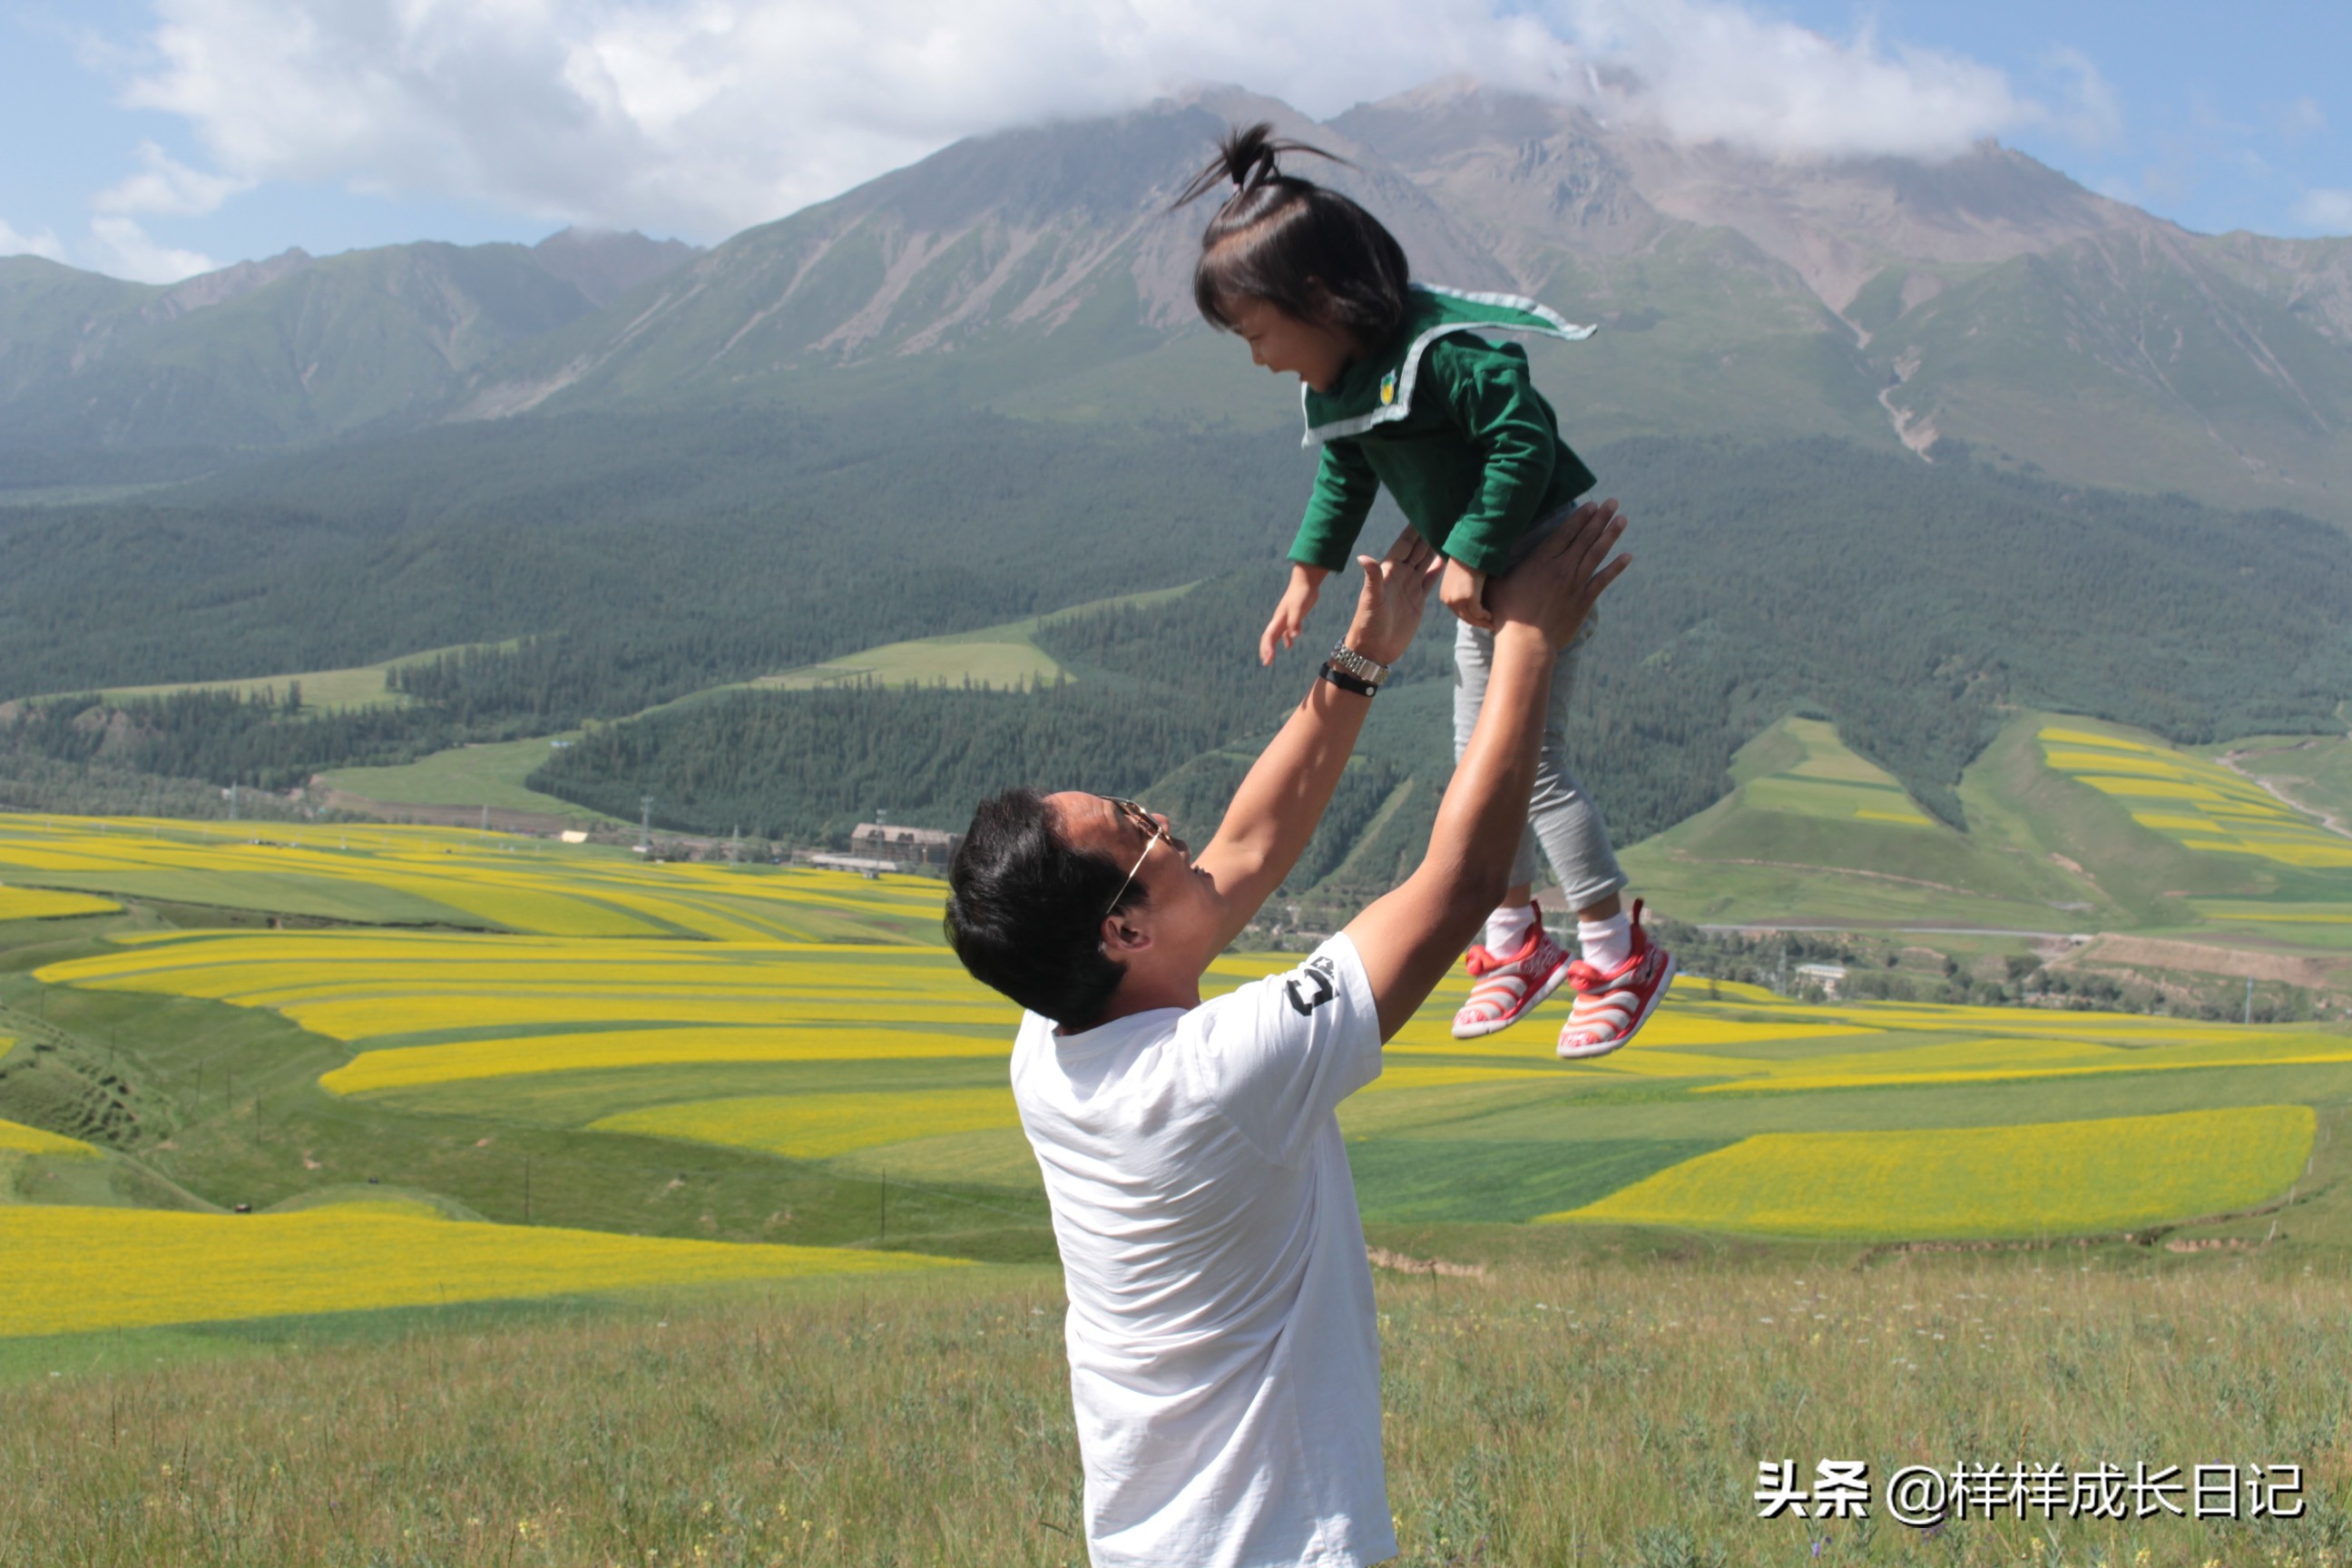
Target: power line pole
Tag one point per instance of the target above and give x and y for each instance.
(645, 824)
(2250, 999)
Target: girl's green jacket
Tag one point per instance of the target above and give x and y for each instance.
(1452, 425)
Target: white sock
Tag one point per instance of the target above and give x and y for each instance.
(1507, 926)
(1606, 944)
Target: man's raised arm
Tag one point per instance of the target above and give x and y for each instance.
(1410, 938)
(1276, 811)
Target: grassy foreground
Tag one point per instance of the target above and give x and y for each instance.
(1607, 1411)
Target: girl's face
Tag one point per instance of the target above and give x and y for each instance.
(1287, 345)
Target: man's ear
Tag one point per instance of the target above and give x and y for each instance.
(1121, 938)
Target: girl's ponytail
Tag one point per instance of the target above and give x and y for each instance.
(1246, 159)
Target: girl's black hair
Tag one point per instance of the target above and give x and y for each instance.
(1311, 252)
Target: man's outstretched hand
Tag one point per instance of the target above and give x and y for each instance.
(1396, 590)
(1554, 588)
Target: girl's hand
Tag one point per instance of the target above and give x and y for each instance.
(1290, 615)
(1463, 591)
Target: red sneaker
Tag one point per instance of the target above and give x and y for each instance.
(1508, 989)
(1611, 1008)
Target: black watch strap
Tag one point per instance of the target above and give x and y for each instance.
(1346, 682)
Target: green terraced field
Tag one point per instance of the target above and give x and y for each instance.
(2072, 826)
(1812, 832)
(606, 1145)
(2314, 772)
(580, 1040)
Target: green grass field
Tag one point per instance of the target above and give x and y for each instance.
(995, 657)
(614, 1211)
(999, 657)
(362, 686)
(2314, 771)
(489, 774)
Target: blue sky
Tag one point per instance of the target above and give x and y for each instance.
(156, 138)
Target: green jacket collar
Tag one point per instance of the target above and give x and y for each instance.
(1380, 387)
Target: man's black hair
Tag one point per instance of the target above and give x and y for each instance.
(1026, 911)
(1311, 252)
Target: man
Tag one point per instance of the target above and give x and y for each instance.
(1224, 1361)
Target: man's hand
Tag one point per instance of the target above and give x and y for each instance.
(1553, 589)
(1396, 588)
(1290, 615)
(1463, 591)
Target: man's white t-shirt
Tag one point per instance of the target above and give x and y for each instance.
(1224, 1357)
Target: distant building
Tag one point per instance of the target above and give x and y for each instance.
(1830, 978)
(904, 845)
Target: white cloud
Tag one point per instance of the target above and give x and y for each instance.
(40, 242)
(2297, 120)
(120, 247)
(2089, 114)
(1715, 71)
(702, 116)
(2328, 209)
(167, 187)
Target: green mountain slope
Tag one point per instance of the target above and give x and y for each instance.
(288, 351)
(1914, 606)
(2132, 360)
(1987, 301)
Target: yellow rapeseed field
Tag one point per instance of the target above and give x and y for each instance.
(821, 1126)
(2198, 804)
(414, 1067)
(18, 1139)
(2061, 1177)
(74, 1269)
(38, 904)
(1965, 1060)
(472, 878)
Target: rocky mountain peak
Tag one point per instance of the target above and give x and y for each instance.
(209, 289)
(604, 264)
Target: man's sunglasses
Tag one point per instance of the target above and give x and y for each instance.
(1154, 830)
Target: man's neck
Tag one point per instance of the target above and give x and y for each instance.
(1150, 994)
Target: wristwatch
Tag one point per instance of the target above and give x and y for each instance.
(1345, 660)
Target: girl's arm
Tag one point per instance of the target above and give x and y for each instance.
(1492, 399)
(1344, 488)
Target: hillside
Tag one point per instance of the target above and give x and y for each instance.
(292, 350)
(1805, 576)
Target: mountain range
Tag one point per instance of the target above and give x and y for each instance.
(1897, 437)
(1985, 304)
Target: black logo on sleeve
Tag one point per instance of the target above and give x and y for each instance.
(1311, 987)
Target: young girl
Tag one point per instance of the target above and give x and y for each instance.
(1400, 391)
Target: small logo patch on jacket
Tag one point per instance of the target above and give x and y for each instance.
(1387, 389)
